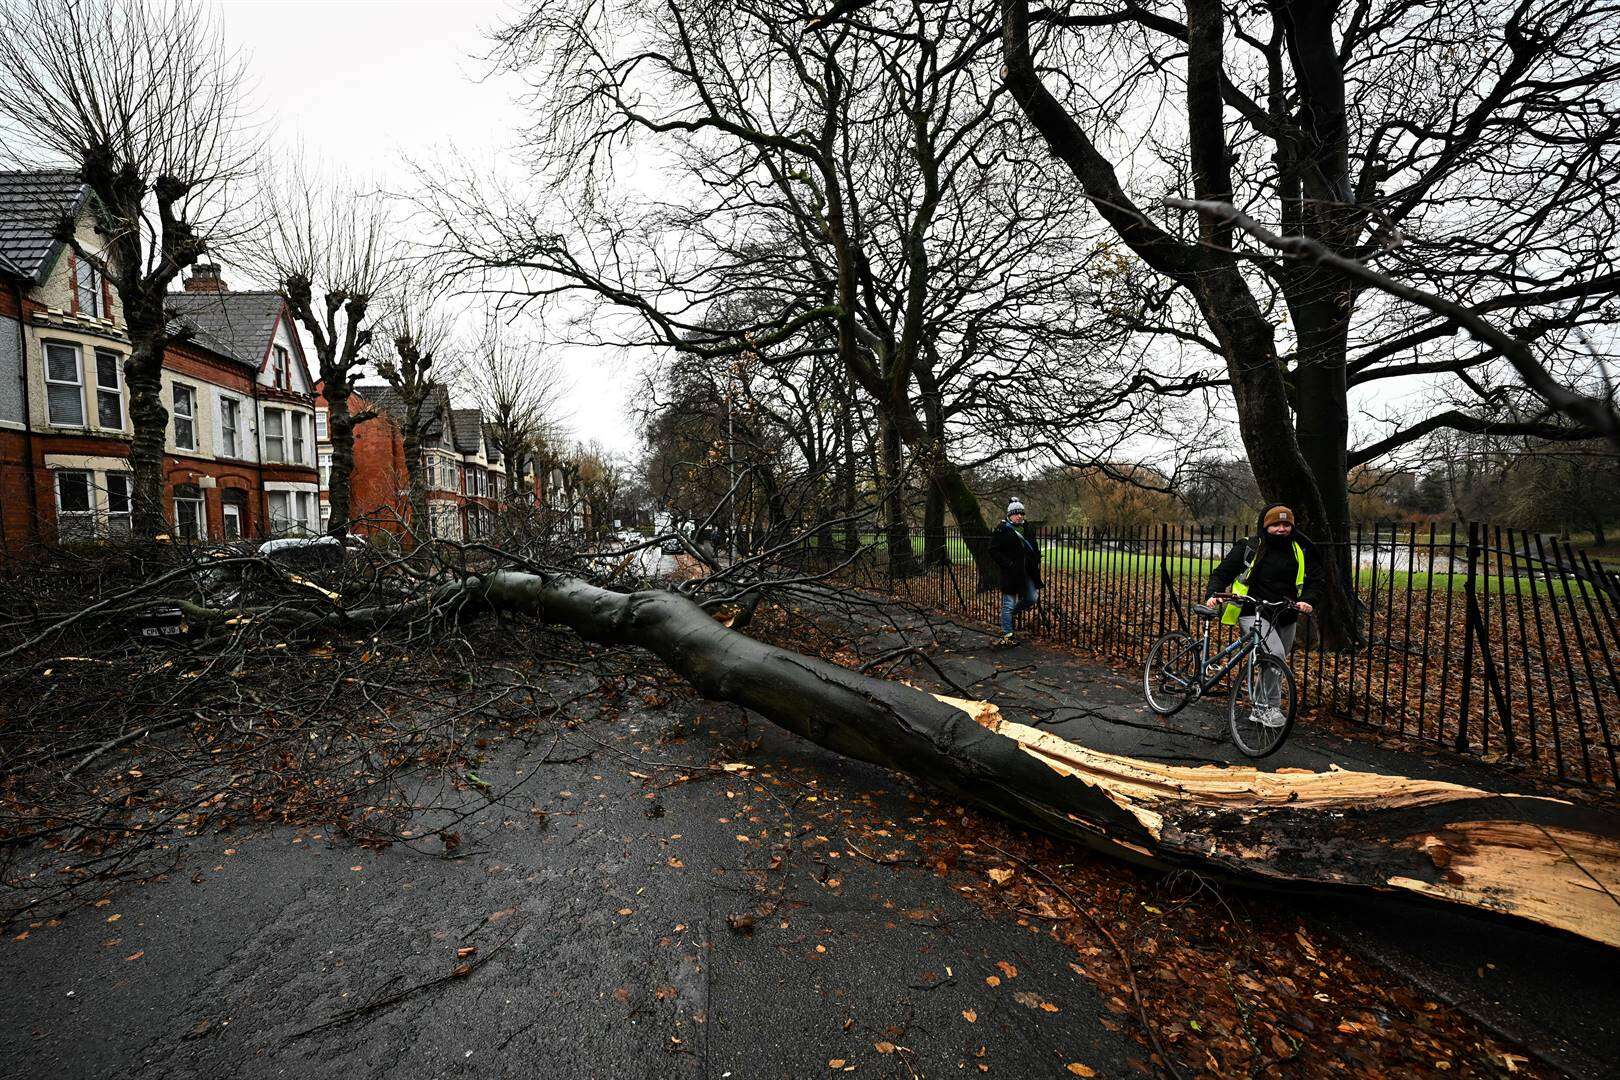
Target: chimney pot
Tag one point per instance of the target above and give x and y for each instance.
(205, 278)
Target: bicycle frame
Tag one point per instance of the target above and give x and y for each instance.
(1245, 646)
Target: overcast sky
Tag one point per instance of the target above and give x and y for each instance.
(364, 84)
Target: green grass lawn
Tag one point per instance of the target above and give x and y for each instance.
(1073, 558)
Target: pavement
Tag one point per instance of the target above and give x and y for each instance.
(1553, 993)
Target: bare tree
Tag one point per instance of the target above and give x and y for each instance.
(422, 336)
(854, 193)
(518, 386)
(329, 247)
(1465, 147)
(144, 100)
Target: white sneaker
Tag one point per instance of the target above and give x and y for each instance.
(1269, 716)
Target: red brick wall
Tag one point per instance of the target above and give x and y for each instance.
(16, 502)
(184, 359)
(379, 470)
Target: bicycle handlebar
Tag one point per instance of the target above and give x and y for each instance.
(1234, 598)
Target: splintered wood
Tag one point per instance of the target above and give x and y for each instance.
(1560, 877)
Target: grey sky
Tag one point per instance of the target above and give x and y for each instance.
(365, 84)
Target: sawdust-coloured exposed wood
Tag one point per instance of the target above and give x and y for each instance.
(1544, 860)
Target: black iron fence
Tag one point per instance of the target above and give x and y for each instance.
(1483, 639)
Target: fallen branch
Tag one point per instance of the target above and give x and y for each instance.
(1544, 860)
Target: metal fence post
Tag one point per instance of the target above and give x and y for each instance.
(1470, 602)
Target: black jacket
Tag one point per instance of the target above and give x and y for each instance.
(1275, 570)
(1017, 559)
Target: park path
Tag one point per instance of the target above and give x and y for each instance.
(1550, 991)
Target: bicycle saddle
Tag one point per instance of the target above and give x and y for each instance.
(1206, 612)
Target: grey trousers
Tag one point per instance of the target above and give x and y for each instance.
(1278, 641)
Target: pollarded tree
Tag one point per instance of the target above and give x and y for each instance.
(330, 249)
(144, 101)
(422, 339)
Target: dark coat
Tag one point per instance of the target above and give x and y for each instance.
(1017, 559)
(1275, 569)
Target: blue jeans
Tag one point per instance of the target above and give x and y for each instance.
(1012, 604)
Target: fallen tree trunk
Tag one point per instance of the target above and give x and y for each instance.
(1545, 860)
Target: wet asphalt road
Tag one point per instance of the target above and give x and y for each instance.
(601, 923)
(600, 920)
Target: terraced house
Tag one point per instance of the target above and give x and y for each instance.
(240, 451)
(461, 469)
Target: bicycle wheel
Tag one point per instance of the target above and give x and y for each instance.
(1254, 738)
(1170, 678)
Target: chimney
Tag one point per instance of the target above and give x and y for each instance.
(205, 279)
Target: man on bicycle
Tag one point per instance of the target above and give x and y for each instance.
(1019, 562)
(1277, 564)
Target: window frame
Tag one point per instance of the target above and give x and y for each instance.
(278, 521)
(86, 517)
(323, 430)
(281, 367)
(295, 437)
(189, 416)
(77, 385)
(126, 516)
(230, 426)
(233, 507)
(93, 289)
(197, 503)
(280, 436)
(115, 392)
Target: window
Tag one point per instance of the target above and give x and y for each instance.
(275, 437)
(292, 511)
(280, 511)
(64, 388)
(444, 521)
(86, 289)
(189, 521)
(120, 500)
(230, 427)
(296, 419)
(109, 390)
(233, 511)
(75, 508)
(281, 366)
(185, 417)
(326, 471)
(320, 426)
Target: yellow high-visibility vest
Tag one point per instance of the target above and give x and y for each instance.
(1240, 587)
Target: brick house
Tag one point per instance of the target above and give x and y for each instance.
(64, 408)
(465, 485)
(253, 432)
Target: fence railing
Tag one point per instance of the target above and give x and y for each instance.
(1482, 639)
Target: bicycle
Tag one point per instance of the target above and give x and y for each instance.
(1180, 670)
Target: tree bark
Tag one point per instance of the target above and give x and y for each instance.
(416, 482)
(1209, 272)
(896, 532)
(1543, 860)
(150, 421)
(340, 427)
